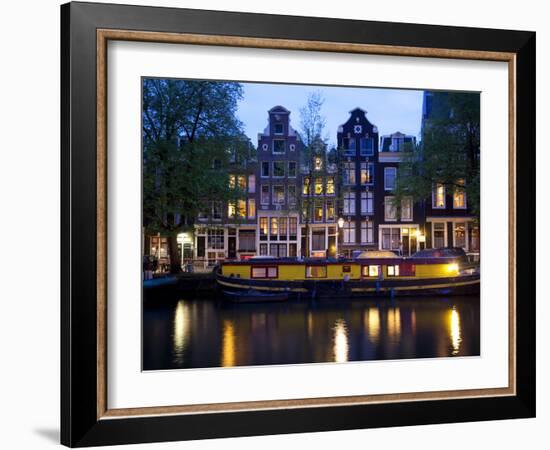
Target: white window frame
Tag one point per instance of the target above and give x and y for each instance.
(434, 195)
(273, 147)
(262, 194)
(445, 237)
(349, 199)
(295, 169)
(407, 219)
(387, 171)
(273, 169)
(368, 225)
(465, 198)
(386, 205)
(273, 197)
(262, 169)
(365, 203)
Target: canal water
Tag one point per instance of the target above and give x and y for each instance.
(189, 333)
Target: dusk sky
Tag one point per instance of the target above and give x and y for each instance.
(389, 109)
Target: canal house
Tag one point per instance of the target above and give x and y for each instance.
(357, 141)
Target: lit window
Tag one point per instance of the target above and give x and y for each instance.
(278, 194)
(274, 228)
(318, 163)
(231, 181)
(330, 211)
(459, 196)
(349, 173)
(231, 209)
(374, 271)
(305, 189)
(283, 222)
(316, 271)
(318, 186)
(241, 182)
(318, 211)
(438, 196)
(390, 174)
(263, 228)
(241, 208)
(367, 171)
(330, 185)
(393, 271)
(259, 272)
(251, 208)
(272, 272)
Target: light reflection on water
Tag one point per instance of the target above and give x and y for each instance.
(201, 333)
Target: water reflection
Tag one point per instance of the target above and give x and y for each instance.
(228, 345)
(341, 346)
(200, 333)
(454, 330)
(180, 330)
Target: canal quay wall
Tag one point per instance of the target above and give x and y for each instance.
(197, 285)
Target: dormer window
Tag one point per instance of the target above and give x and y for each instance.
(278, 128)
(396, 145)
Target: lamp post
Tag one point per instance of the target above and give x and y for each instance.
(340, 226)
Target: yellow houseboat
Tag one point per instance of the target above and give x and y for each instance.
(374, 273)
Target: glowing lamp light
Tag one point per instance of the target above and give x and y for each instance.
(421, 238)
(341, 222)
(452, 267)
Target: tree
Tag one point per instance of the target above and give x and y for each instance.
(312, 125)
(448, 153)
(191, 136)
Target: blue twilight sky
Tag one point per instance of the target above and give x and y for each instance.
(390, 110)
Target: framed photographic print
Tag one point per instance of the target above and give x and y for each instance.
(276, 224)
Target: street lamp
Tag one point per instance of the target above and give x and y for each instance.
(341, 222)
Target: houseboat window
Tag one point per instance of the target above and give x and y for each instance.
(393, 271)
(370, 271)
(272, 272)
(316, 271)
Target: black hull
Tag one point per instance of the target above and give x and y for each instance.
(330, 289)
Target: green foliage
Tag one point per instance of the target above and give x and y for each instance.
(192, 140)
(448, 153)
